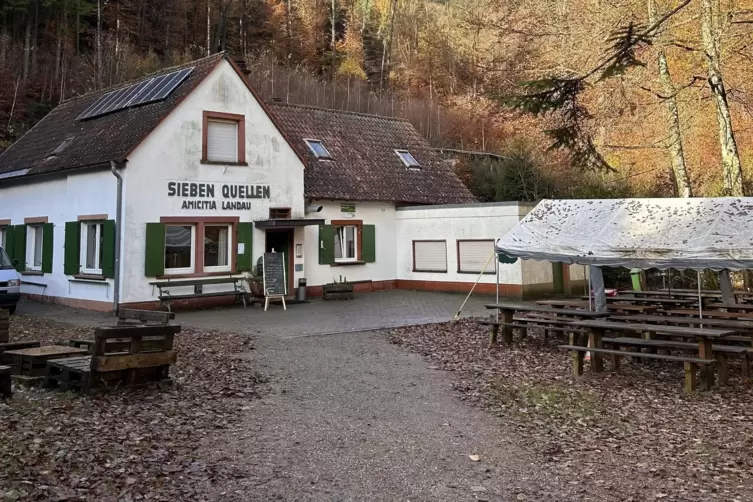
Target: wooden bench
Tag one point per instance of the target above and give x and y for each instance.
(691, 363)
(133, 316)
(711, 313)
(523, 323)
(166, 297)
(110, 365)
(720, 352)
(5, 389)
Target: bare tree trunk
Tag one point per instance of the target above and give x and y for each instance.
(209, 28)
(387, 46)
(676, 149)
(59, 47)
(114, 78)
(731, 168)
(289, 29)
(27, 47)
(78, 27)
(99, 45)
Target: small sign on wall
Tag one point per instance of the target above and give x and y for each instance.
(348, 209)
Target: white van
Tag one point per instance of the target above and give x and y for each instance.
(10, 283)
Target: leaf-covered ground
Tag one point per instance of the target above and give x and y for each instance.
(635, 424)
(147, 444)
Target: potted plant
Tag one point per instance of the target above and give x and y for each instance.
(338, 289)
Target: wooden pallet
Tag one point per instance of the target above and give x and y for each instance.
(5, 390)
(32, 362)
(4, 325)
(339, 296)
(69, 374)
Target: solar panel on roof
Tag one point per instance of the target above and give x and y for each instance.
(140, 93)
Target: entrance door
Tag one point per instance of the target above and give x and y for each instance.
(281, 241)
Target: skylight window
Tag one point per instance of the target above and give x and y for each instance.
(408, 159)
(317, 147)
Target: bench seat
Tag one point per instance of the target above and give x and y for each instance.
(691, 363)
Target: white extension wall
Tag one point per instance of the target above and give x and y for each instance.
(62, 199)
(450, 223)
(173, 153)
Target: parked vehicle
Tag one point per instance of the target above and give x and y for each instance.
(10, 283)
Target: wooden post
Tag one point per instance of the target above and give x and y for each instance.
(493, 335)
(594, 340)
(722, 362)
(690, 381)
(577, 357)
(615, 362)
(4, 326)
(745, 367)
(507, 316)
(705, 351)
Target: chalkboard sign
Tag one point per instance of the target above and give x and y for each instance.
(275, 283)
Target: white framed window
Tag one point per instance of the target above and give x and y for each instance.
(222, 140)
(3, 237)
(346, 243)
(473, 256)
(91, 248)
(430, 256)
(217, 246)
(34, 244)
(318, 148)
(180, 243)
(408, 159)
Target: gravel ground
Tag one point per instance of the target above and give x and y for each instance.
(634, 434)
(434, 415)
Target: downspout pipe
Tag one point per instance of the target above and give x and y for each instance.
(118, 232)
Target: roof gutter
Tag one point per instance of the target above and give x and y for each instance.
(114, 165)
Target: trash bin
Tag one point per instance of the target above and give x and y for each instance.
(635, 275)
(301, 296)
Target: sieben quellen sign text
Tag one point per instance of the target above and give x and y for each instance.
(230, 196)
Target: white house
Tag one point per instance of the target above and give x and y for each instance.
(186, 174)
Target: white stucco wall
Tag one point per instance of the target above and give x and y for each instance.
(451, 223)
(379, 214)
(62, 199)
(173, 153)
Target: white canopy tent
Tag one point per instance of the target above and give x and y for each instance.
(695, 233)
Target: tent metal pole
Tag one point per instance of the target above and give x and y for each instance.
(496, 266)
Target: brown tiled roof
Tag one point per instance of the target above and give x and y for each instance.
(364, 164)
(60, 142)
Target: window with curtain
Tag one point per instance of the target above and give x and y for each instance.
(222, 140)
(91, 248)
(346, 243)
(34, 242)
(217, 248)
(179, 248)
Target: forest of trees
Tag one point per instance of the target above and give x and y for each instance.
(655, 90)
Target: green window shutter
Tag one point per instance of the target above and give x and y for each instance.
(9, 241)
(19, 247)
(245, 235)
(48, 235)
(368, 243)
(326, 245)
(155, 249)
(72, 250)
(108, 249)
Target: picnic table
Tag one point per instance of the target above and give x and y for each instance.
(508, 309)
(564, 303)
(717, 314)
(703, 336)
(616, 307)
(31, 362)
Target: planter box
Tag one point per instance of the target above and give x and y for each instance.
(338, 291)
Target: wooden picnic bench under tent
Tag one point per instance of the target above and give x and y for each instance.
(696, 233)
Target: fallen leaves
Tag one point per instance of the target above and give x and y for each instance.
(146, 444)
(629, 429)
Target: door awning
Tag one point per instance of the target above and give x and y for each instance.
(287, 223)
